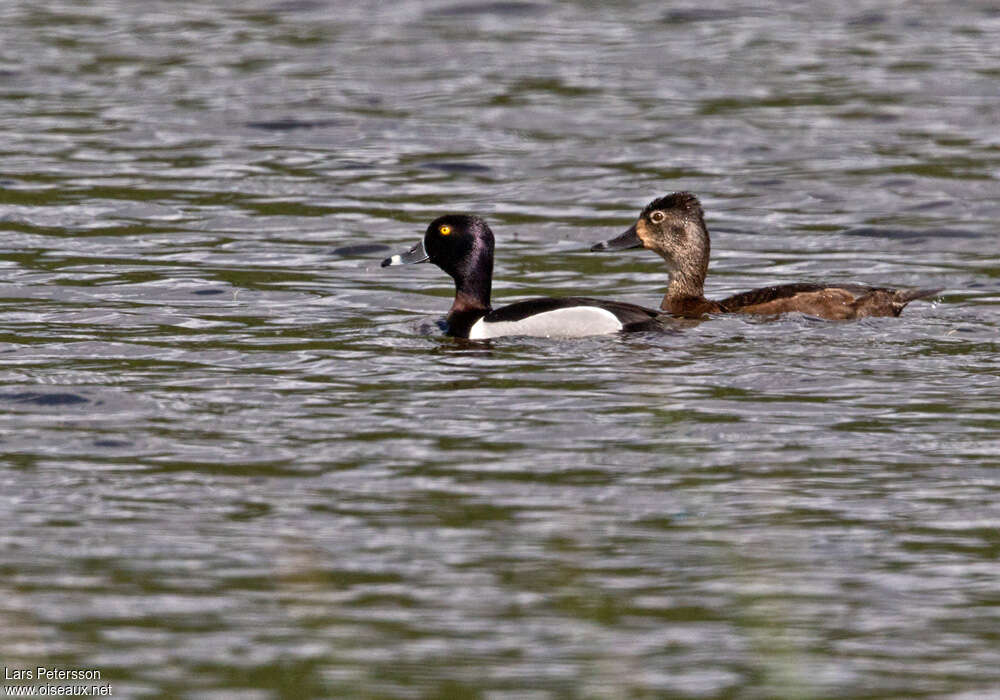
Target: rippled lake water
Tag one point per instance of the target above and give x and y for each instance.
(239, 460)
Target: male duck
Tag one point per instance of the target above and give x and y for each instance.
(674, 227)
(462, 246)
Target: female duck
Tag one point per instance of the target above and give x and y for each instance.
(462, 246)
(674, 227)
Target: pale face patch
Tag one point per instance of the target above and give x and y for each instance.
(645, 234)
(572, 322)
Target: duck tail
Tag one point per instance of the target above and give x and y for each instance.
(905, 296)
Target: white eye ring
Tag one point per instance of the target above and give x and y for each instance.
(657, 216)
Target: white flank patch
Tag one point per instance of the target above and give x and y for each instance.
(572, 322)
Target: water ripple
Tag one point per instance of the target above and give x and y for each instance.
(239, 457)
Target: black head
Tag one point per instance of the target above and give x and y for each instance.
(462, 246)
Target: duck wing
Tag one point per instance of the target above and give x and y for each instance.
(836, 301)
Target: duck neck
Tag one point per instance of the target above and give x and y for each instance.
(471, 304)
(472, 289)
(687, 279)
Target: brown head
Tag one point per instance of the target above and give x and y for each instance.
(674, 227)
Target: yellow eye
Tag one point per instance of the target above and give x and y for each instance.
(444, 229)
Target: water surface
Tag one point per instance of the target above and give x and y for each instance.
(239, 460)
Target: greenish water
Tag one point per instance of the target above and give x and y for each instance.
(239, 460)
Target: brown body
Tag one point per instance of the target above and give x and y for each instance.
(674, 227)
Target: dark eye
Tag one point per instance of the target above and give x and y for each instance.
(657, 216)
